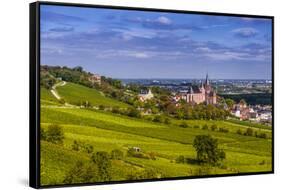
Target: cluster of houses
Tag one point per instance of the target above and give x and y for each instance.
(145, 95)
(205, 93)
(95, 79)
(256, 113)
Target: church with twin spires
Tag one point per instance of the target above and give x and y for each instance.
(199, 94)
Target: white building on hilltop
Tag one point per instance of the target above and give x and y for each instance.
(145, 95)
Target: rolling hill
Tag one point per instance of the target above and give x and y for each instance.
(75, 94)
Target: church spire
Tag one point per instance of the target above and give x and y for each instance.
(207, 82)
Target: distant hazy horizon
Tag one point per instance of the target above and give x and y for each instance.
(140, 45)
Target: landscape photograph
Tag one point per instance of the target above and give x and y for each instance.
(134, 95)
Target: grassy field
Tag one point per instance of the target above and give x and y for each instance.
(106, 131)
(75, 94)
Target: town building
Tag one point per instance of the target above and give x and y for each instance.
(198, 94)
(95, 79)
(145, 95)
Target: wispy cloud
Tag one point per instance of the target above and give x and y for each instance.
(62, 29)
(49, 16)
(245, 32)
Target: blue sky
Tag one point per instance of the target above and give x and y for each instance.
(138, 44)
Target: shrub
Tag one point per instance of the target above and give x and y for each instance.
(262, 135)
(214, 127)
(262, 162)
(158, 118)
(184, 125)
(115, 110)
(101, 107)
(196, 126)
(223, 130)
(81, 146)
(133, 112)
(88, 148)
(205, 127)
(239, 132)
(75, 146)
(82, 173)
(103, 162)
(180, 159)
(144, 174)
(54, 134)
(167, 120)
(249, 132)
(62, 101)
(43, 134)
(117, 154)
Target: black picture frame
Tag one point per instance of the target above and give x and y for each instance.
(34, 91)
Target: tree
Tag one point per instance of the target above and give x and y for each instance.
(102, 160)
(78, 68)
(82, 173)
(249, 132)
(229, 102)
(54, 134)
(207, 149)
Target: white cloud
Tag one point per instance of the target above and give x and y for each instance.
(164, 20)
(203, 49)
(245, 32)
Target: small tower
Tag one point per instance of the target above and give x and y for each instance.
(207, 82)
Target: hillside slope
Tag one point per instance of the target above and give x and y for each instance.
(76, 94)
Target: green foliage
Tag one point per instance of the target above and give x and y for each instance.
(181, 159)
(117, 154)
(262, 135)
(252, 99)
(199, 111)
(223, 130)
(109, 131)
(54, 134)
(205, 127)
(184, 125)
(133, 112)
(214, 127)
(43, 134)
(82, 146)
(196, 126)
(229, 102)
(46, 80)
(207, 149)
(149, 173)
(158, 118)
(249, 132)
(167, 121)
(81, 95)
(205, 170)
(82, 173)
(102, 160)
(75, 75)
(239, 132)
